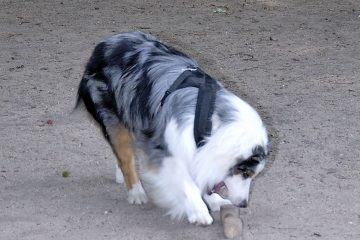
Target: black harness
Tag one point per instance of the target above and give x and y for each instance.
(194, 77)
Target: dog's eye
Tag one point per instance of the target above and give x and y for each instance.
(248, 173)
(244, 172)
(239, 170)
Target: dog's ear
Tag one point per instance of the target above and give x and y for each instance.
(259, 154)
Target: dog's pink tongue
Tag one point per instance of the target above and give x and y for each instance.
(218, 187)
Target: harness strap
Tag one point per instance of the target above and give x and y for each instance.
(205, 100)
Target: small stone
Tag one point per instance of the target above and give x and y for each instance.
(65, 174)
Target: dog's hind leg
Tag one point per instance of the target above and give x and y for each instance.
(94, 92)
(122, 144)
(118, 174)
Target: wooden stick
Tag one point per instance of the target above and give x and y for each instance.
(232, 223)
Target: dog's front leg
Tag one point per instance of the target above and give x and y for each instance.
(196, 209)
(172, 187)
(215, 201)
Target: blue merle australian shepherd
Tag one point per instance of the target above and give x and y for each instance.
(189, 134)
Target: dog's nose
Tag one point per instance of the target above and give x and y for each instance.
(243, 204)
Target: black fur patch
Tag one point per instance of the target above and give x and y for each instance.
(259, 153)
(248, 166)
(97, 62)
(131, 61)
(117, 56)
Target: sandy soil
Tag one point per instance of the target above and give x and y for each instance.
(297, 62)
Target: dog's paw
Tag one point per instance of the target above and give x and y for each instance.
(215, 201)
(200, 218)
(199, 214)
(137, 195)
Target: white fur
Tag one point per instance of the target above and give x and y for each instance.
(171, 186)
(259, 168)
(118, 174)
(228, 143)
(238, 189)
(137, 195)
(215, 201)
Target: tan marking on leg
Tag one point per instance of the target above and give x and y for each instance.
(122, 143)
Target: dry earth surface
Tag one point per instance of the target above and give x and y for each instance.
(296, 61)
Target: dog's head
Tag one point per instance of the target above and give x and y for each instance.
(239, 178)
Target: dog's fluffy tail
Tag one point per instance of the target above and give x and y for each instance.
(94, 65)
(80, 96)
(79, 100)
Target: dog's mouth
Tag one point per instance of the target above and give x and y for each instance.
(218, 187)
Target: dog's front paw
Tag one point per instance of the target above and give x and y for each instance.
(215, 201)
(137, 195)
(200, 218)
(199, 215)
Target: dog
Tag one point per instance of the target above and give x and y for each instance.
(191, 135)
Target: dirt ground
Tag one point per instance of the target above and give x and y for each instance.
(296, 61)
